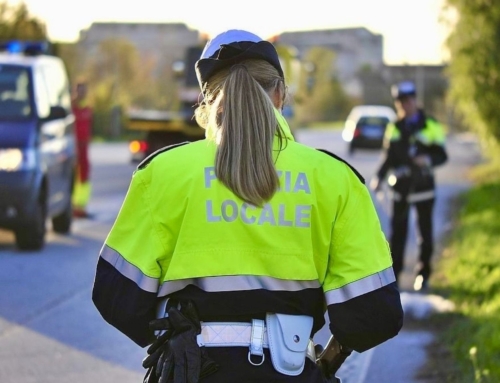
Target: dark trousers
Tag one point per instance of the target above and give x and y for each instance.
(235, 367)
(399, 234)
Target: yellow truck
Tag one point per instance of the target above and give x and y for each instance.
(158, 128)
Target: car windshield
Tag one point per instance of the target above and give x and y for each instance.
(373, 120)
(15, 95)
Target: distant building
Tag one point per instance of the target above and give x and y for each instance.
(359, 56)
(163, 42)
(355, 48)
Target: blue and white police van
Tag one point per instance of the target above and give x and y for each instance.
(37, 143)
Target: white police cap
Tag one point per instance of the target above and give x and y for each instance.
(227, 37)
(402, 89)
(231, 47)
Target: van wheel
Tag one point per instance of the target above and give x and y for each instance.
(62, 223)
(32, 235)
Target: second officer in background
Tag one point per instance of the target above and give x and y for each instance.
(415, 145)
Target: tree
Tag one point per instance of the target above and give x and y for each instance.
(17, 23)
(118, 78)
(72, 56)
(321, 96)
(118, 67)
(474, 69)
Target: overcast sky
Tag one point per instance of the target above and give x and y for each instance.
(411, 29)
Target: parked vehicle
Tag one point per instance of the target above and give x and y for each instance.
(365, 126)
(37, 144)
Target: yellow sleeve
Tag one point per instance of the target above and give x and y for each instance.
(360, 259)
(134, 235)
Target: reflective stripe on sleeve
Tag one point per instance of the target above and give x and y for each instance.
(208, 284)
(360, 287)
(415, 197)
(237, 283)
(421, 196)
(129, 270)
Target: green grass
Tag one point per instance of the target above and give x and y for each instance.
(469, 274)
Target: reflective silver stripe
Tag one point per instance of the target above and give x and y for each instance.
(422, 196)
(243, 282)
(396, 196)
(237, 283)
(415, 197)
(360, 287)
(128, 270)
(225, 334)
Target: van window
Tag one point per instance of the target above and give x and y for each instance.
(58, 91)
(372, 120)
(41, 94)
(15, 95)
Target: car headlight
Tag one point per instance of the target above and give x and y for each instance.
(12, 160)
(348, 132)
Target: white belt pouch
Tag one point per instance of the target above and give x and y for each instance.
(288, 337)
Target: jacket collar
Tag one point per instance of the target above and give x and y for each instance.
(403, 124)
(283, 124)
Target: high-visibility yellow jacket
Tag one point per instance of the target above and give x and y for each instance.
(179, 226)
(405, 140)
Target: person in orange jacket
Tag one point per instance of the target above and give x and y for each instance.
(83, 132)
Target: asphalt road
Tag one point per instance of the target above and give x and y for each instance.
(50, 331)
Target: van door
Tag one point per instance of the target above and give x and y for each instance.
(56, 140)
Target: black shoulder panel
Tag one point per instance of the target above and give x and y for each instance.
(148, 159)
(361, 178)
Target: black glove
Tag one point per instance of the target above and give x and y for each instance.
(208, 366)
(176, 354)
(157, 347)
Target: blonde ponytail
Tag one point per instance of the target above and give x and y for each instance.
(239, 115)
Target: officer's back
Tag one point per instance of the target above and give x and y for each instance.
(245, 236)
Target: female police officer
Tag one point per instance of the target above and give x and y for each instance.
(258, 233)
